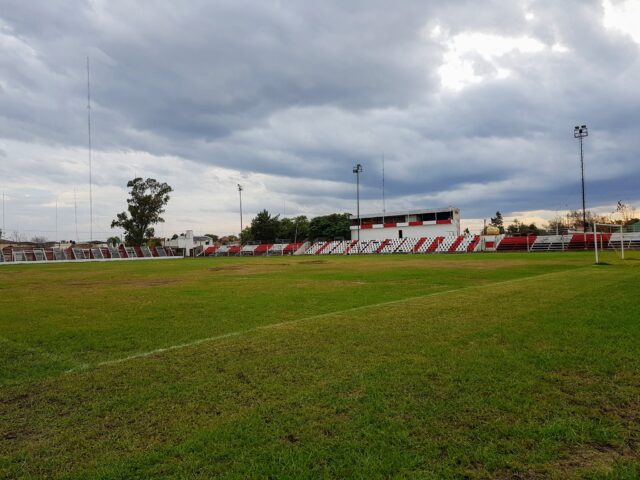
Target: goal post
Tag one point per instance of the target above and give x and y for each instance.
(610, 242)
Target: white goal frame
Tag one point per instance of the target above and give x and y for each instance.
(595, 238)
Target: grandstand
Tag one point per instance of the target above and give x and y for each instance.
(433, 244)
(21, 254)
(407, 224)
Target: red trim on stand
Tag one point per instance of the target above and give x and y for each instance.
(443, 222)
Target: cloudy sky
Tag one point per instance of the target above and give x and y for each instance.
(471, 103)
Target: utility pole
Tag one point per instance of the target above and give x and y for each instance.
(358, 170)
(90, 160)
(240, 193)
(581, 132)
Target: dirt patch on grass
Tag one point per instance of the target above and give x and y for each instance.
(153, 283)
(251, 268)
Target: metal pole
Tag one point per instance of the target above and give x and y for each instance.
(584, 207)
(384, 206)
(622, 241)
(240, 193)
(90, 172)
(358, 205)
(595, 244)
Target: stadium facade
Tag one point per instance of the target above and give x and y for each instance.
(408, 224)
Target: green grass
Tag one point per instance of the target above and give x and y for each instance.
(468, 366)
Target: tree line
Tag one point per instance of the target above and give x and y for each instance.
(267, 228)
(624, 214)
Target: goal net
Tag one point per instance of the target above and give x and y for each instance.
(613, 242)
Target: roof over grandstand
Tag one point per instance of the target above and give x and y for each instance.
(407, 212)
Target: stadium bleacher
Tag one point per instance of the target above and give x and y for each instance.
(329, 247)
(510, 244)
(293, 247)
(582, 241)
(550, 243)
(248, 249)
(439, 244)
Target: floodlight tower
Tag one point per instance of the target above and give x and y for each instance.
(240, 193)
(581, 132)
(358, 170)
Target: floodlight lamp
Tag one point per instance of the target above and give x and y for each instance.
(579, 132)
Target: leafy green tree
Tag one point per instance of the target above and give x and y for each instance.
(519, 228)
(246, 235)
(115, 240)
(330, 226)
(301, 228)
(498, 222)
(146, 203)
(264, 227)
(286, 229)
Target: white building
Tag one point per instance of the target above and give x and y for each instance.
(188, 242)
(411, 224)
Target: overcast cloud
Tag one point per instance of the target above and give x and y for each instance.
(471, 103)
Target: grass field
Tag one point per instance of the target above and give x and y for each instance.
(416, 366)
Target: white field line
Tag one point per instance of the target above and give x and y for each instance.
(313, 317)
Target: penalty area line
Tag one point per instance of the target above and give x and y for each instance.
(310, 318)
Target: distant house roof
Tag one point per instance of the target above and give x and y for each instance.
(201, 238)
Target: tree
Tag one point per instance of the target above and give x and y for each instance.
(146, 203)
(557, 225)
(264, 227)
(115, 241)
(330, 226)
(519, 228)
(498, 222)
(301, 228)
(627, 213)
(245, 235)
(39, 239)
(228, 239)
(213, 237)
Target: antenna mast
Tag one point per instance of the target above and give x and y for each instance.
(384, 207)
(75, 209)
(90, 172)
(56, 219)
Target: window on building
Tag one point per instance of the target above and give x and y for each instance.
(427, 217)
